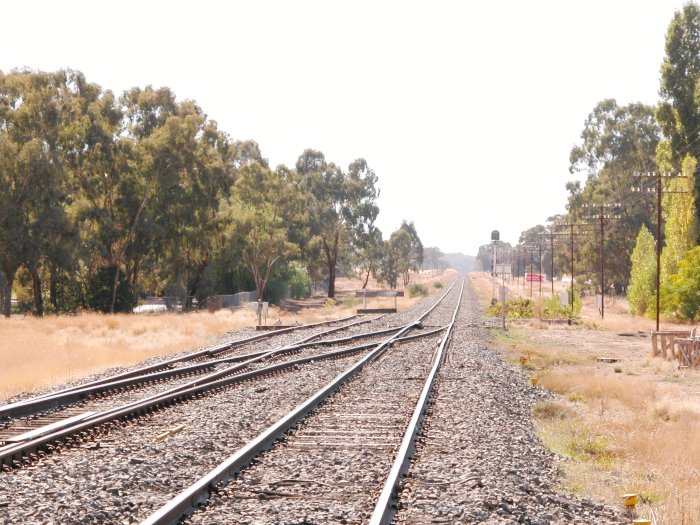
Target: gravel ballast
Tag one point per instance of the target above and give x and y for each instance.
(479, 459)
(129, 473)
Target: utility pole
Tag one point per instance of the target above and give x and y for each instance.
(551, 241)
(530, 273)
(571, 232)
(572, 268)
(602, 217)
(539, 253)
(659, 194)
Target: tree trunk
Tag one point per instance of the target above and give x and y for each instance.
(114, 289)
(135, 271)
(195, 282)
(364, 284)
(7, 306)
(332, 261)
(53, 293)
(38, 299)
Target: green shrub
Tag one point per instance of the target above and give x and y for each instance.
(437, 285)
(287, 279)
(642, 287)
(683, 289)
(69, 295)
(552, 308)
(518, 308)
(417, 290)
(299, 280)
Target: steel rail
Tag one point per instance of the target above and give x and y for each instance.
(155, 373)
(385, 508)
(187, 500)
(206, 352)
(17, 452)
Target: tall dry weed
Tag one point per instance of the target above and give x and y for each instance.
(38, 353)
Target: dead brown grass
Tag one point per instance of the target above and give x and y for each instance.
(630, 426)
(623, 435)
(39, 353)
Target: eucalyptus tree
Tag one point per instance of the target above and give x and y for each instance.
(616, 142)
(369, 250)
(341, 206)
(263, 205)
(33, 178)
(184, 212)
(158, 147)
(396, 259)
(679, 112)
(414, 258)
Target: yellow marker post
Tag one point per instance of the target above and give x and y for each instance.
(630, 501)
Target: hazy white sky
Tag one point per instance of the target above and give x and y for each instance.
(467, 111)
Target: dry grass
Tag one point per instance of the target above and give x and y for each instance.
(630, 426)
(39, 353)
(626, 435)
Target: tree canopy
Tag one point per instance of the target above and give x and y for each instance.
(104, 198)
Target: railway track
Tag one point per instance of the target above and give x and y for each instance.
(30, 416)
(53, 430)
(205, 360)
(334, 457)
(298, 453)
(76, 415)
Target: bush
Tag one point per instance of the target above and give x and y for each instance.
(417, 290)
(99, 292)
(287, 279)
(551, 308)
(299, 280)
(70, 295)
(518, 308)
(437, 285)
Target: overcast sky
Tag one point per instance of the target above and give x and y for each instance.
(467, 111)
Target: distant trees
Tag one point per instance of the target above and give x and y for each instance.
(403, 253)
(103, 198)
(617, 142)
(341, 205)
